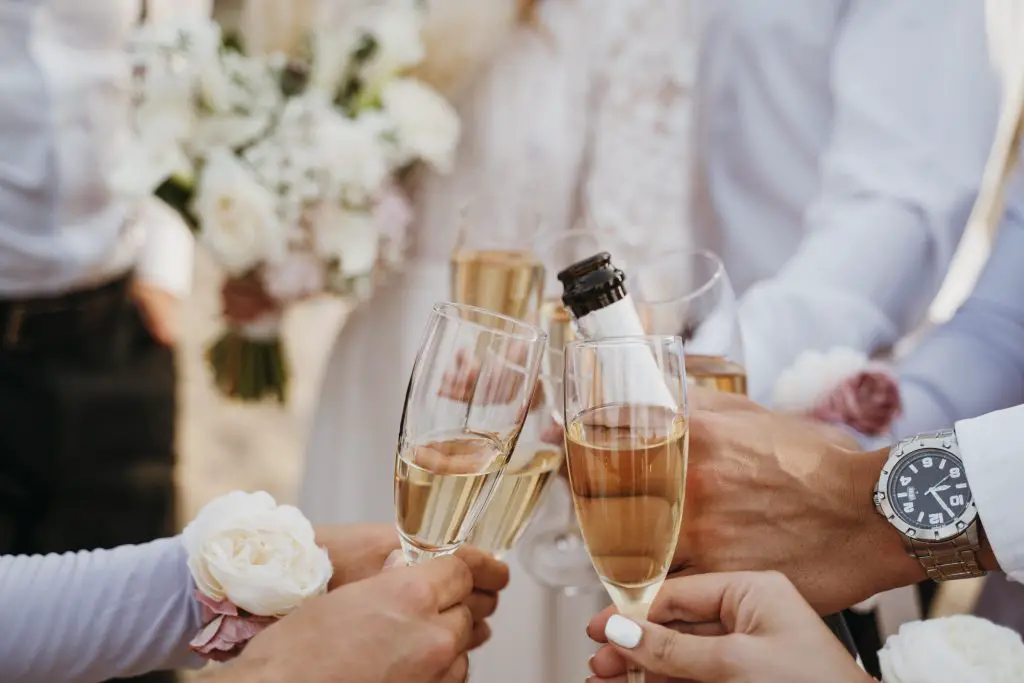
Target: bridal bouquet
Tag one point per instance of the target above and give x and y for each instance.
(286, 166)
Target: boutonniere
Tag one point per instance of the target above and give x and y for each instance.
(840, 386)
(253, 561)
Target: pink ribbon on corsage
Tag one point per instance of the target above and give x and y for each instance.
(868, 401)
(227, 630)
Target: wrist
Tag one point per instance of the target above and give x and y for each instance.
(879, 547)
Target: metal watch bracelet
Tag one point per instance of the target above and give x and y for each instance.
(956, 558)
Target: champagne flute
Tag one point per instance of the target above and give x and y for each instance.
(497, 271)
(688, 292)
(467, 399)
(626, 443)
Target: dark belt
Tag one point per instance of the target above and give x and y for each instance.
(39, 323)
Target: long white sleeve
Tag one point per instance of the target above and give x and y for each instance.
(91, 616)
(897, 182)
(991, 448)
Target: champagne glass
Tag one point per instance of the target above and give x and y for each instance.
(688, 292)
(497, 270)
(626, 443)
(467, 399)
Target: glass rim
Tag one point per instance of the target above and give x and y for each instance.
(529, 333)
(716, 276)
(647, 340)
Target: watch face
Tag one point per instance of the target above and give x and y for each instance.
(929, 490)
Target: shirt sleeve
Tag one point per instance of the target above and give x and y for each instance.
(974, 364)
(167, 256)
(92, 616)
(991, 449)
(898, 177)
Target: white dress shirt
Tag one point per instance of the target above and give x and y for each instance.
(840, 146)
(63, 127)
(991, 449)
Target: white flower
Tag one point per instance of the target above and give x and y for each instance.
(355, 159)
(953, 650)
(240, 96)
(426, 125)
(348, 237)
(397, 32)
(260, 556)
(813, 375)
(237, 215)
(298, 275)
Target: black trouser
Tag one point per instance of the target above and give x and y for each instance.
(87, 438)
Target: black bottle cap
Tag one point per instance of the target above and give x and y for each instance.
(591, 284)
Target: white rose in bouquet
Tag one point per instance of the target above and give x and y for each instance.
(425, 124)
(240, 97)
(355, 159)
(953, 650)
(347, 237)
(260, 556)
(238, 215)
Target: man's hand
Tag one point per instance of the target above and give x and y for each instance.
(161, 312)
(405, 625)
(775, 492)
(724, 628)
(359, 551)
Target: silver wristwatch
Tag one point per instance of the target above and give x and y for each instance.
(923, 492)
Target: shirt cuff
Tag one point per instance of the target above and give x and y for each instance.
(167, 258)
(995, 469)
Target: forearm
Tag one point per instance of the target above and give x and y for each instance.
(93, 616)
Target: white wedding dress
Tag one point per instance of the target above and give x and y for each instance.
(591, 108)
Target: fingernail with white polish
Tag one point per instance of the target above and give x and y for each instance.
(623, 632)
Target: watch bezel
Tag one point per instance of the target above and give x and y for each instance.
(905, 450)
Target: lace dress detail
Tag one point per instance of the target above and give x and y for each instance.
(638, 186)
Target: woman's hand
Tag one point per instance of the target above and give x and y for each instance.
(724, 628)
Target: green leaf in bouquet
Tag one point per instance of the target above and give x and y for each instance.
(177, 193)
(233, 41)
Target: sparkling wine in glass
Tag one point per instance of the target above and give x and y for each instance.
(496, 271)
(467, 400)
(626, 446)
(688, 292)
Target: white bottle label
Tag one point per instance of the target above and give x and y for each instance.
(645, 384)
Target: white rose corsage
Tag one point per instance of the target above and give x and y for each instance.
(253, 561)
(840, 386)
(953, 650)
